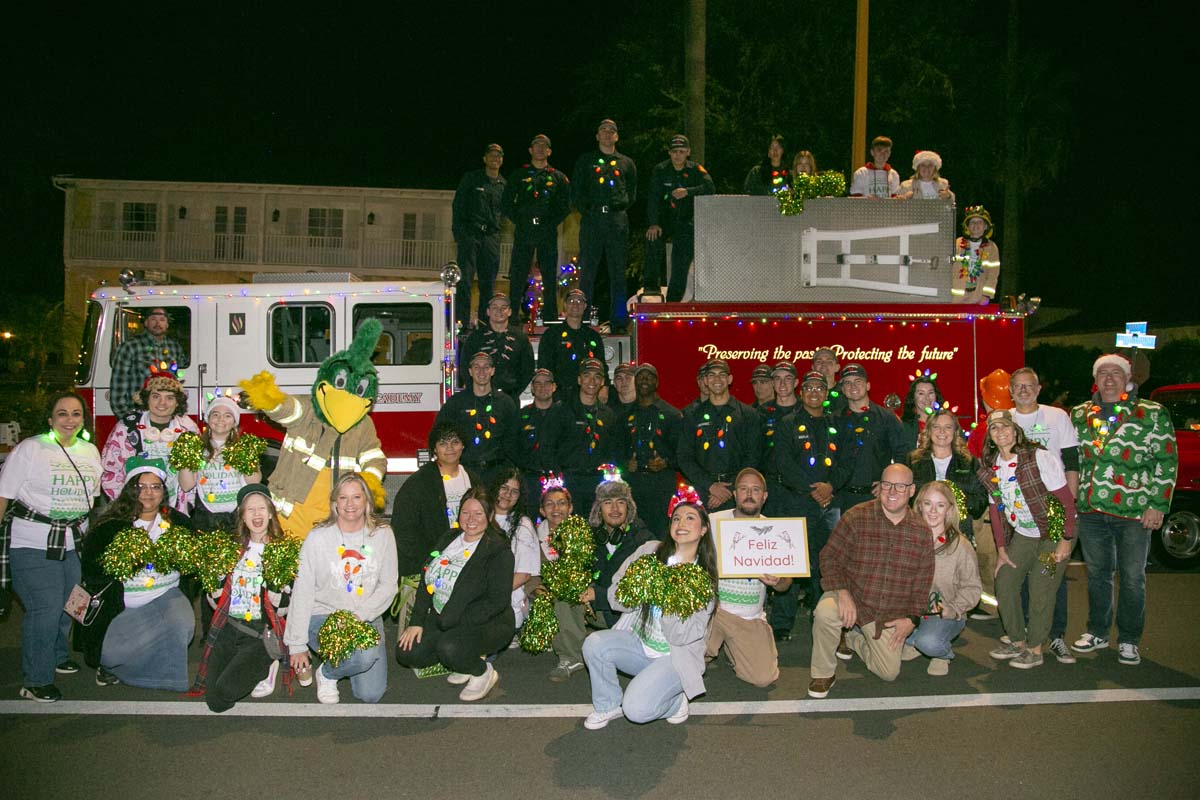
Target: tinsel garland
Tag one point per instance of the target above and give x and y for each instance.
(245, 454)
(187, 452)
(281, 561)
(824, 184)
(342, 633)
(542, 626)
(679, 590)
(216, 556)
(1056, 518)
(960, 502)
(565, 578)
(127, 554)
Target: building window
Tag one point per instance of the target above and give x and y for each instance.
(325, 227)
(141, 217)
(301, 334)
(409, 232)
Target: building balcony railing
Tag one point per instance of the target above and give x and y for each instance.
(276, 250)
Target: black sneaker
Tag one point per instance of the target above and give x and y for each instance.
(67, 667)
(106, 678)
(41, 694)
(782, 635)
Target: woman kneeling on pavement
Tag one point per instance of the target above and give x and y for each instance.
(955, 580)
(347, 563)
(663, 652)
(141, 634)
(1033, 522)
(46, 491)
(463, 611)
(617, 533)
(242, 654)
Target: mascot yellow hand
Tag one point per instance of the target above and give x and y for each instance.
(378, 494)
(262, 392)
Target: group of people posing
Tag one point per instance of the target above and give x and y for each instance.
(908, 523)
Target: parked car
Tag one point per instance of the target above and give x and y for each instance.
(1177, 543)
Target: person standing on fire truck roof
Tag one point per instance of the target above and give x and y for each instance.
(537, 199)
(567, 343)
(476, 226)
(488, 417)
(719, 437)
(512, 355)
(872, 435)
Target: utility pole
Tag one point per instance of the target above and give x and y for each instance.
(694, 75)
(858, 141)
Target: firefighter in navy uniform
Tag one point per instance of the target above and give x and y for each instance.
(652, 428)
(476, 226)
(719, 437)
(531, 457)
(487, 416)
(603, 187)
(511, 353)
(804, 470)
(566, 343)
(872, 438)
(671, 210)
(537, 199)
(582, 434)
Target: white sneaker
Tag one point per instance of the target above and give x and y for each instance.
(267, 685)
(1128, 654)
(457, 678)
(1088, 643)
(598, 719)
(327, 690)
(478, 686)
(681, 715)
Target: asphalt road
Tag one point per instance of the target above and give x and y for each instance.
(1092, 729)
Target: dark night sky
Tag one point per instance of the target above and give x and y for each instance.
(388, 94)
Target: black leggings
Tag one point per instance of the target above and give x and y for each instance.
(460, 649)
(236, 664)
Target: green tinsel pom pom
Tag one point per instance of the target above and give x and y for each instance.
(1056, 516)
(216, 556)
(127, 554)
(824, 184)
(542, 626)
(829, 183)
(960, 502)
(281, 560)
(187, 452)
(572, 539)
(567, 578)
(175, 549)
(342, 634)
(638, 585)
(685, 589)
(245, 454)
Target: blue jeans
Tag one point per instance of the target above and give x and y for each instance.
(655, 691)
(934, 635)
(43, 586)
(366, 669)
(147, 646)
(1110, 545)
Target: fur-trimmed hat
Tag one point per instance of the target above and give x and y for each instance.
(1113, 360)
(927, 157)
(609, 490)
(225, 402)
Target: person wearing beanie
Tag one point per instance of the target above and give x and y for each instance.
(1127, 466)
(670, 212)
(140, 635)
(537, 198)
(927, 182)
(149, 431)
(604, 186)
(617, 532)
(978, 260)
(476, 226)
(138, 355)
(214, 487)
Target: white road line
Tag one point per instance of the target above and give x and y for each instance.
(532, 710)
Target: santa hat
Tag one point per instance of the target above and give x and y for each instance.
(1113, 360)
(227, 403)
(927, 156)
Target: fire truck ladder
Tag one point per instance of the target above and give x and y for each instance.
(809, 262)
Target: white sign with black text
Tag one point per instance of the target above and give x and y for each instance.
(750, 547)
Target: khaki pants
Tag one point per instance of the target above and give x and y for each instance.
(878, 654)
(1023, 551)
(985, 552)
(750, 645)
(573, 624)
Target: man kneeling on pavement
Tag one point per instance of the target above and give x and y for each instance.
(876, 571)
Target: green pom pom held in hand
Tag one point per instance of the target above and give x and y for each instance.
(823, 184)
(542, 626)
(175, 549)
(216, 556)
(127, 554)
(186, 453)
(680, 590)
(281, 561)
(572, 539)
(639, 583)
(244, 454)
(342, 633)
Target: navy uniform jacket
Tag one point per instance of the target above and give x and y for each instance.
(532, 194)
(562, 348)
(512, 355)
(603, 181)
(772, 417)
(873, 440)
(477, 205)
(488, 422)
(718, 440)
(531, 457)
(803, 451)
(581, 438)
(649, 431)
(663, 209)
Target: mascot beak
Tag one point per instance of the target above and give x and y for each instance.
(340, 408)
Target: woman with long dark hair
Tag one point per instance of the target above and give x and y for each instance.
(145, 624)
(507, 491)
(923, 399)
(663, 652)
(46, 491)
(773, 174)
(235, 662)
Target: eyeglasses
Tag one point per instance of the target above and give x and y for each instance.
(888, 486)
(149, 487)
(509, 490)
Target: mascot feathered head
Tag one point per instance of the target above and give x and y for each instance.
(347, 381)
